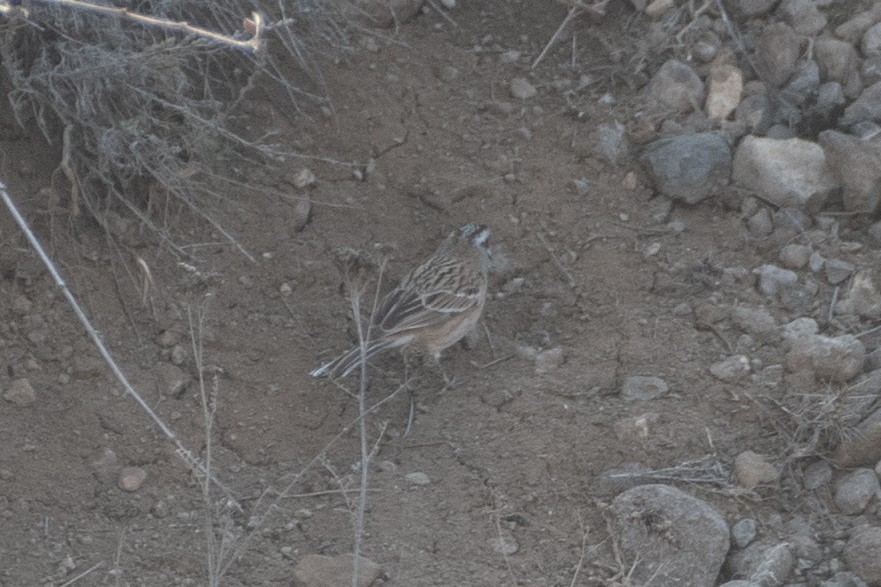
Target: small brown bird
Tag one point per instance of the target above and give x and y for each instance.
(433, 307)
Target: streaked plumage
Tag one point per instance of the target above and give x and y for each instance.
(433, 307)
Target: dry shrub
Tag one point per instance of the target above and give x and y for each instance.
(145, 113)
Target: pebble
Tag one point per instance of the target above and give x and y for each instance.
(816, 262)
(760, 223)
(817, 475)
(863, 445)
(768, 565)
(505, 543)
(304, 178)
(752, 470)
(852, 30)
(640, 387)
(789, 172)
(20, 392)
(837, 59)
(731, 369)
(608, 141)
(448, 4)
(854, 490)
(658, 8)
(861, 553)
(725, 89)
(548, 360)
(871, 42)
(417, 478)
(318, 570)
(836, 359)
(857, 165)
(754, 112)
(773, 279)
(302, 214)
(837, 270)
(688, 168)
(866, 107)
(829, 95)
(522, 89)
(803, 16)
(744, 532)
(132, 478)
(168, 338)
(21, 305)
(777, 52)
(756, 321)
(677, 86)
(672, 533)
(795, 256)
(870, 70)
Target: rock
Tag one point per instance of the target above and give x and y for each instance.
(871, 42)
(132, 478)
(861, 299)
(639, 387)
(754, 112)
(676, 86)
(816, 262)
(791, 172)
(20, 393)
(658, 8)
(861, 553)
(522, 89)
(837, 270)
(170, 379)
(866, 107)
(688, 168)
(856, 164)
(837, 59)
(804, 83)
(773, 280)
(843, 579)
(757, 322)
(548, 360)
(304, 178)
(829, 96)
(761, 223)
(836, 359)
(731, 369)
(803, 16)
(679, 539)
(302, 214)
(800, 328)
(752, 470)
(863, 445)
(817, 474)
(744, 532)
(870, 70)
(726, 87)
(21, 305)
(317, 570)
(637, 427)
(505, 543)
(853, 29)
(417, 478)
(609, 142)
(777, 51)
(855, 490)
(794, 256)
(766, 564)
(706, 47)
(753, 7)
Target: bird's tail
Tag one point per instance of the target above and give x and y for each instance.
(346, 362)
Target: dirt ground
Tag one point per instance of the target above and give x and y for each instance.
(512, 453)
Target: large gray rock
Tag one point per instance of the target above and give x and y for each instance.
(766, 564)
(777, 52)
(854, 491)
(837, 359)
(852, 30)
(861, 553)
(787, 172)
(689, 168)
(803, 16)
(857, 165)
(866, 107)
(676, 86)
(871, 43)
(862, 298)
(863, 445)
(837, 59)
(679, 539)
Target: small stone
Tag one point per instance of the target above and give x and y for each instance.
(449, 73)
(676, 86)
(854, 490)
(512, 56)
(304, 178)
(448, 4)
(795, 256)
(837, 359)
(317, 570)
(302, 214)
(549, 360)
(760, 223)
(522, 89)
(21, 305)
(581, 186)
(816, 262)
(658, 8)
(168, 338)
(505, 543)
(863, 445)
(752, 470)
(871, 42)
(731, 369)
(853, 29)
(830, 95)
(777, 50)
(837, 270)
(132, 478)
(837, 59)
(179, 354)
(388, 466)
(857, 166)
(640, 387)
(20, 393)
(417, 478)
(756, 321)
(803, 16)
(726, 87)
(744, 532)
(170, 379)
(609, 142)
(861, 553)
(773, 280)
(817, 475)
(688, 168)
(754, 112)
(766, 564)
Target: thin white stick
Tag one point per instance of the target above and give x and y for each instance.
(182, 452)
(83, 574)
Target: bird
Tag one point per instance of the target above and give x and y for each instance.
(433, 307)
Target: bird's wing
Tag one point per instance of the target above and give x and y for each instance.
(405, 308)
